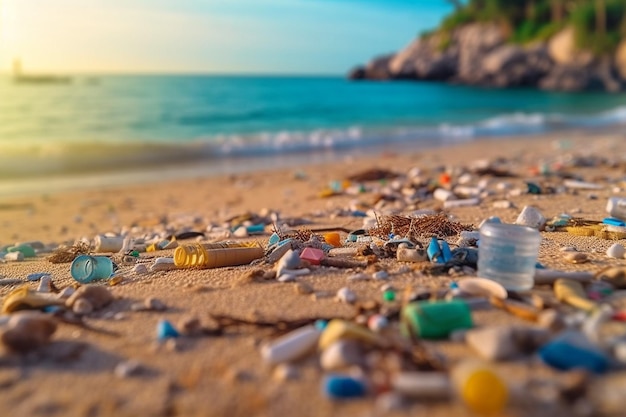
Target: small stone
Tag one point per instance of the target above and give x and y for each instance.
(37, 276)
(140, 269)
(346, 295)
(45, 284)
(576, 257)
(154, 304)
(127, 369)
(493, 343)
(27, 330)
(411, 255)
(290, 260)
(82, 306)
(552, 320)
(380, 275)
(341, 354)
(361, 276)
(531, 217)
(482, 287)
(190, 326)
(97, 295)
(377, 322)
(285, 372)
(616, 251)
(303, 288)
(568, 249)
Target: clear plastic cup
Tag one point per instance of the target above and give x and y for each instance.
(87, 268)
(507, 254)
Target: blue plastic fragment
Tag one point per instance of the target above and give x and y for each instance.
(320, 324)
(166, 330)
(274, 239)
(539, 266)
(358, 213)
(533, 188)
(37, 276)
(340, 387)
(613, 222)
(574, 351)
(255, 228)
(439, 251)
(454, 285)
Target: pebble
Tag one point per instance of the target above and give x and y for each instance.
(154, 304)
(286, 278)
(341, 354)
(37, 276)
(467, 202)
(140, 269)
(411, 255)
(377, 322)
(576, 257)
(361, 276)
(616, 251)
(27, 330)
(502, 204)
(291, 346)
(82, 306)
(190, 326)
(303, 288)
(285, 372)
(10, 281)
(380, 275)
(127, 369)
(290, 260)
(97, 296)
(531, 217)
(45, 284)
(346, 295)
(493, 343)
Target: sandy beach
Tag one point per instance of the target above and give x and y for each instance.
(77, 373)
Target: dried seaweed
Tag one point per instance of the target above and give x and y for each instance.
(436, 225)
(66, 254)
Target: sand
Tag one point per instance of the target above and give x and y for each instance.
(225, 375)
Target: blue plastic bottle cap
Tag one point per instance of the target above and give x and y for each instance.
(341, 387)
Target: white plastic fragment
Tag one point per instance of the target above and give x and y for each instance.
(140, 269)
(411, 255)
(424, 385)
(531, 217)
(380, 275)
(616, 207)
(582, 185)
(291, 346)
(163, 264)
(616, 251)
(502, 204)
(346, 295)
(442, 194)
(14, 256)
(45, 284)
(467, 202)
(290, 260)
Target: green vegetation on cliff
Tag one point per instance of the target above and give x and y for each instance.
(599, 25)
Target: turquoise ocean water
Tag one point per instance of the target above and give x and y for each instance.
(105, 122)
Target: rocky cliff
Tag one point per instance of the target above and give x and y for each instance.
(479, 54)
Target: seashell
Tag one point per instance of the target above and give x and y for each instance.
(576, 257)
(616, 251)
(27, 330)
(346, 295)
(482, 287)
(97, 295)
(615, 275)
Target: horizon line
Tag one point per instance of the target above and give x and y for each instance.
(178, 73)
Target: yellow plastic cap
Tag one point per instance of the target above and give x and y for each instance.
(484, 392)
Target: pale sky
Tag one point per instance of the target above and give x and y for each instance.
(218, 36)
